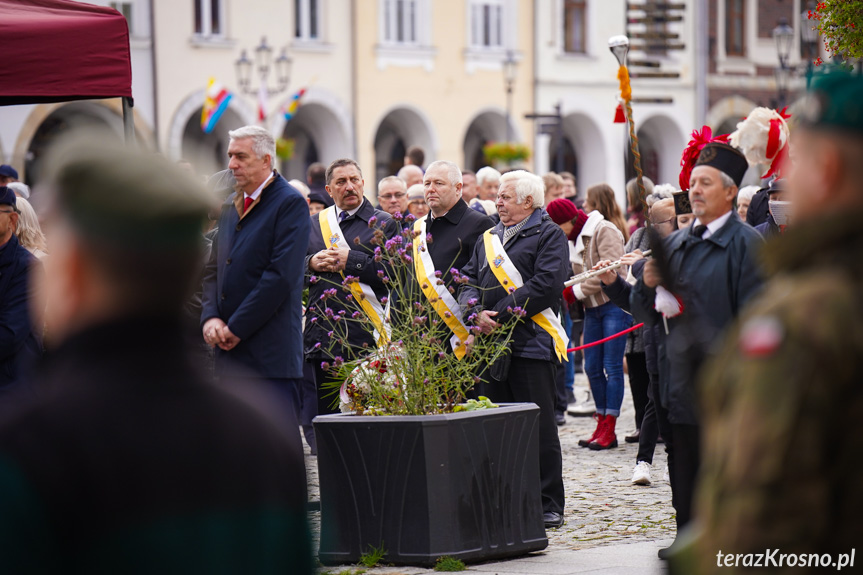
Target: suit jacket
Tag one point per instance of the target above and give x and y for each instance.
(20, 343)
(361, 264)
(714, 277)
(454, 236)
(253, 280)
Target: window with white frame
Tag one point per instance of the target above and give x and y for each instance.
(400, 21)
(209, 18)
(307, 15)
(487, 23)
(575, 26)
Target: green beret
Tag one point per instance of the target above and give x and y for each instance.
(130, 199)
(835, 100)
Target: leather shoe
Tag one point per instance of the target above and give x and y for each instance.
(634, 437)
(552, 519)
(559, 418)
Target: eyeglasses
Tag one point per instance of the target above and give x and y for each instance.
(417, 201)
(392, 196)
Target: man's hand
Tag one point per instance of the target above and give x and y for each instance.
(651, 277)
(229, 340)
(485, 323)
(340, 258)
(212, 331)
(322, 261)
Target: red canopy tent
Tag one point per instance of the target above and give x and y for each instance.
(60, 50)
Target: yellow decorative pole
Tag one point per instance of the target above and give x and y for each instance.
(619, 46)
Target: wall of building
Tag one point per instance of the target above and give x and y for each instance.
(430, 94)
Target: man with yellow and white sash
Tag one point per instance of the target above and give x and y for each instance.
(340, 245)
(444, 240)
(522, 263)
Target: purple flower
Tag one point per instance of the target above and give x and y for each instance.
(325, 366)
(313, 320)
(472, 302)
(349, 297)
(429, 238)
(398, 216)
(330, 334)
(454, 272)
(410, 218)
(384, 299)
(511, 289)
(438, 273)
(355, 315)
(441, 355)
(372, 221)
(338, 361)
(472, 318)
(447, 314)
(318, 345)
(313, 279)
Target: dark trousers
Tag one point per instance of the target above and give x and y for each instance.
(560, 387)
(575, 335)
(532, 381)
(328, 396)
(654, 424)
(308, 405)
(639, 380)
(687, 458)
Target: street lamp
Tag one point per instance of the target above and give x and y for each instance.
(783, 34)
(262, 64)
(509, 72)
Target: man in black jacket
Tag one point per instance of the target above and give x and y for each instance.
(712, 269)
(340, 245)
(522, 263)
(130, 460)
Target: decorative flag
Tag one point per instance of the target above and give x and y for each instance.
(293, 104)
(262, 102)
(216, 100)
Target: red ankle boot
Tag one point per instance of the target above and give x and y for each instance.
(607, 438)
(600, 423)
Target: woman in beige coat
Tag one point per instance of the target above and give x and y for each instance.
(602, 238)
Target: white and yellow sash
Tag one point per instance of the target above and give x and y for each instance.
(508, 276)
(438, 294)
(363, 293)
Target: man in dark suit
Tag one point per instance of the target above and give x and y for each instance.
(130, 460)
(448, 234)
(20, 344)
(344, 247)
(252, 308)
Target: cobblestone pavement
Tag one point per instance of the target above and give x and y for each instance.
(603, 508)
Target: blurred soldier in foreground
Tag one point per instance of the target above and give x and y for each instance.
(130, 461)
(783, 402)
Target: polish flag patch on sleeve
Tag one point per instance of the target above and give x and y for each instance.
(761, 337)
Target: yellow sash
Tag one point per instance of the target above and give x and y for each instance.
(362, 293)
(437, 294)
(509, 277)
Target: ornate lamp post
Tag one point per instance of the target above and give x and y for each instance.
(509, 73)
(783, 35)
(262, 64)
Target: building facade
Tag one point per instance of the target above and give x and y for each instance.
(576, 70)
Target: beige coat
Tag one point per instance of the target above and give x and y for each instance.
(599, 240)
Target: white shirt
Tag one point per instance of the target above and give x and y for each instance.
(350, 212)
(713, 226)
(254, 195)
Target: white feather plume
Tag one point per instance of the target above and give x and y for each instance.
(752, 134)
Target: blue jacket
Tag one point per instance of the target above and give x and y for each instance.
(714, 278)
(540, 253)
(254, 281)
(20, 343)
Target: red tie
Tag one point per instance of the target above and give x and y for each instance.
(248, 202)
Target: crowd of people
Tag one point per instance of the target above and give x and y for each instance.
(683, 260)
